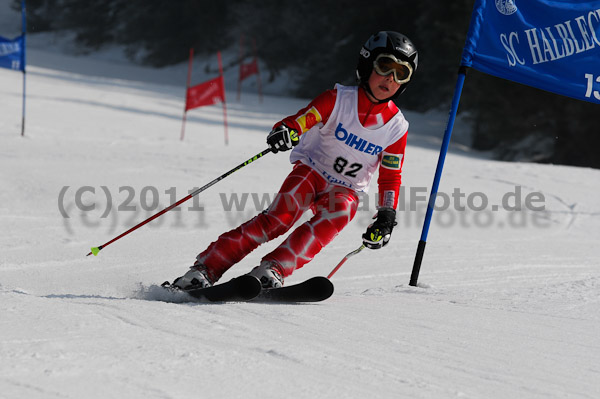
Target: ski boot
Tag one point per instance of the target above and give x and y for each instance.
(269, 275)
(196, 277)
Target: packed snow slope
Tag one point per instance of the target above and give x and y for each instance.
(507, 307)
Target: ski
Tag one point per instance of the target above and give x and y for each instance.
(315, 289)
(239, 289)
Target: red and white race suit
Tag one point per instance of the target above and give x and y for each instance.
(344, 138)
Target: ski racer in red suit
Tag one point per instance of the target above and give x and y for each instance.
(339, 141)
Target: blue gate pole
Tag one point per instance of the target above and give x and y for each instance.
(23, 60)
(462, 73)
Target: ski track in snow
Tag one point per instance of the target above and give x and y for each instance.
(502, 310)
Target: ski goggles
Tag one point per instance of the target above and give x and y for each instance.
(385, 64)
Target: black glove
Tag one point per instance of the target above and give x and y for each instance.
(379, 232)
(282, 138)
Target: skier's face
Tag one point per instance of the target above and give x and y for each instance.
(383, 87)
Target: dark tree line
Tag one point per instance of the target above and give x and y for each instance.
(319, 42)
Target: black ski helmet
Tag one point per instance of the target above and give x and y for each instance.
(387, 42)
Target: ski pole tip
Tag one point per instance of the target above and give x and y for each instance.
(94, 251)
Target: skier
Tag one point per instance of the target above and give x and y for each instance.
(339, 140)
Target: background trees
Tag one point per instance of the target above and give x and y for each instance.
(319, 41)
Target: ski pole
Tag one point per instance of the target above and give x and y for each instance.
(96, 250)
(345, 259)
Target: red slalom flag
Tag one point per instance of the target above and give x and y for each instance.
(207, 93)
(249, 69)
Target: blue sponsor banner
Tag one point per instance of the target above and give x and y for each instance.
(553, 45)
(12, 53)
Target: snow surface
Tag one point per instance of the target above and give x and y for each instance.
(507, 307)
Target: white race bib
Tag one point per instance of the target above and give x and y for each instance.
(343, 151)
